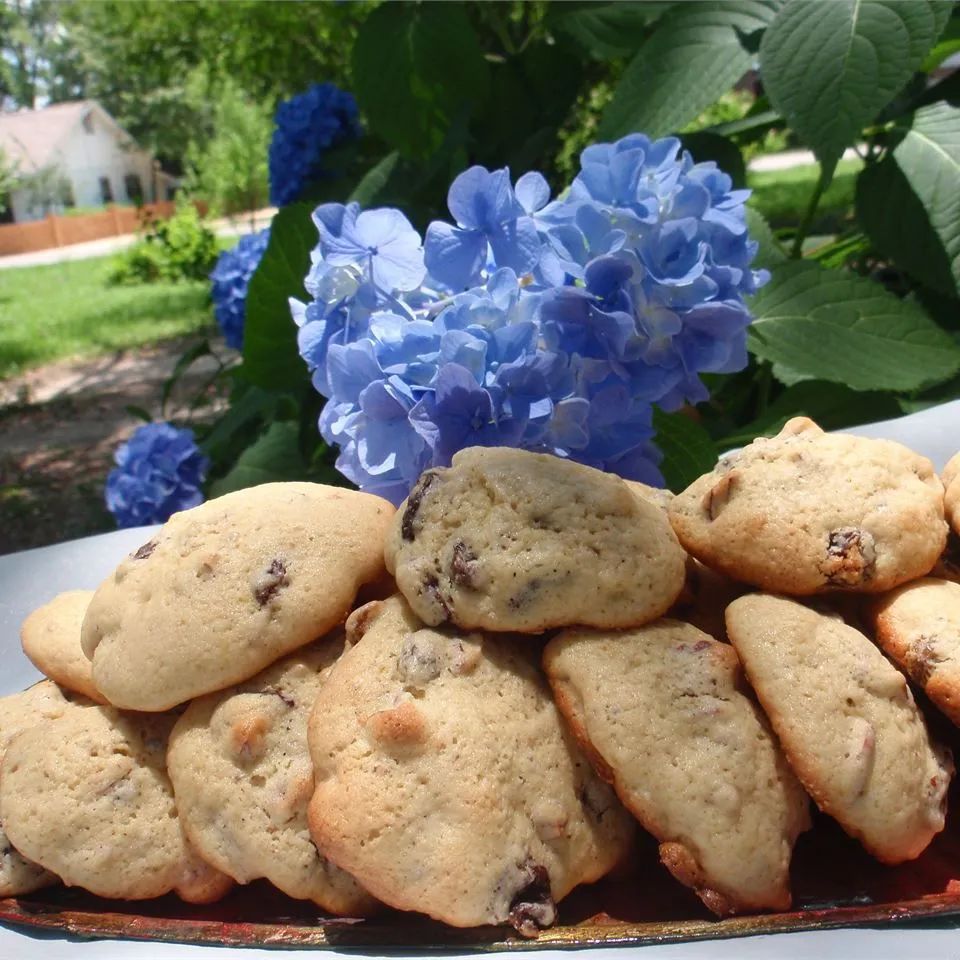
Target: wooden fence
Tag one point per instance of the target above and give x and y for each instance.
(54, 231)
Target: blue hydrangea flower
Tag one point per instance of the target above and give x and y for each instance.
(159, 471)
(230, 279)
(308, 125)
(554, 326)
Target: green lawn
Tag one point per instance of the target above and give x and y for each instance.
(67, 309)
(782, 195)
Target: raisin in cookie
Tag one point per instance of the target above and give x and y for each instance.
(42, 702)
(227, 588)
(51, 639)
(510, 540)
(806, 512)
(847, 723)
(918, 625)
(446, 782)
(87, 796)
(242, 777)
(662, 712)
(951, 484)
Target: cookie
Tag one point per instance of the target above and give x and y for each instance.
(87, 796)
(229, 587)
(948, 566)
(806, 512)
(704, 598)
(242, 778)
(662, 711)
(446, 782)
(951, 484)
(51, 639)
(658, 496)
(41, 702)
(847, 723)
(509, 540)
(918, 626)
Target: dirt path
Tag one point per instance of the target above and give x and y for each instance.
(59, 426)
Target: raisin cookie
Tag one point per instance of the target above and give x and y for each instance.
(847, 723)
(19, 711)
(951, 484)
(87, 796)
(51, 639)
(446, 782)
(242, 778)
(918, 626)
(662, 712)
(806, 512)
(509, 540)
(225, 589)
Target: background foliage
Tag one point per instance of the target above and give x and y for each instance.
(861, 319)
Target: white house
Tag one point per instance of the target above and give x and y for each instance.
(75, 155)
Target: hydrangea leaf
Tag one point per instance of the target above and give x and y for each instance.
(270, 356)
(769, 252)
(829, 325)
(833, 405)
(414, 68)
(830, 68)
(607, 31)
(688, 451)
(909, 203)
(373, 182)
(274, 456)
(693, 57)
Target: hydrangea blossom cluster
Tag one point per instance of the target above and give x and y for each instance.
(307, 125)
(230, 279)
(159, 471)
(548, 325)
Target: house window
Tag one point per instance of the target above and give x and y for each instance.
(134, 187)
(87, 123)
(106, 191)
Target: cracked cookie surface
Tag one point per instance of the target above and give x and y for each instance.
(225, 589)
(663, 714)
(242, 777)
(446, 782)
(847, 723)
(918, 625)
(87, 796)
(509, 540)
(808, 512)
(51, 639)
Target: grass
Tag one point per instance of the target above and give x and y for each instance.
(782, 195)
(67, 309)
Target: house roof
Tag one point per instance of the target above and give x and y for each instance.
(30, 137)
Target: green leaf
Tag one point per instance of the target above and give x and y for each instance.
(909, 203)
(139, 412)
(693, 57)
(832, 405)
(607, 30)
(415, 66)
(947, 46)
(247, 406)
(688, 451)
(769, 253)
(275, 456)
(822, 324)
(829, 68)
(705, 145)
(372, 183)
(270, 356)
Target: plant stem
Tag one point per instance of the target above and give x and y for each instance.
(764, 383)
(823, 181)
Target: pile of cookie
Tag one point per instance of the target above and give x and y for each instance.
(467, 706)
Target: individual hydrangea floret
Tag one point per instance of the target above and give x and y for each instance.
(159, 471)
(554, 326)
(230, 279)
(307, 126)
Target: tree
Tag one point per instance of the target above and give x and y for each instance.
(229, 170)
(8, 179)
